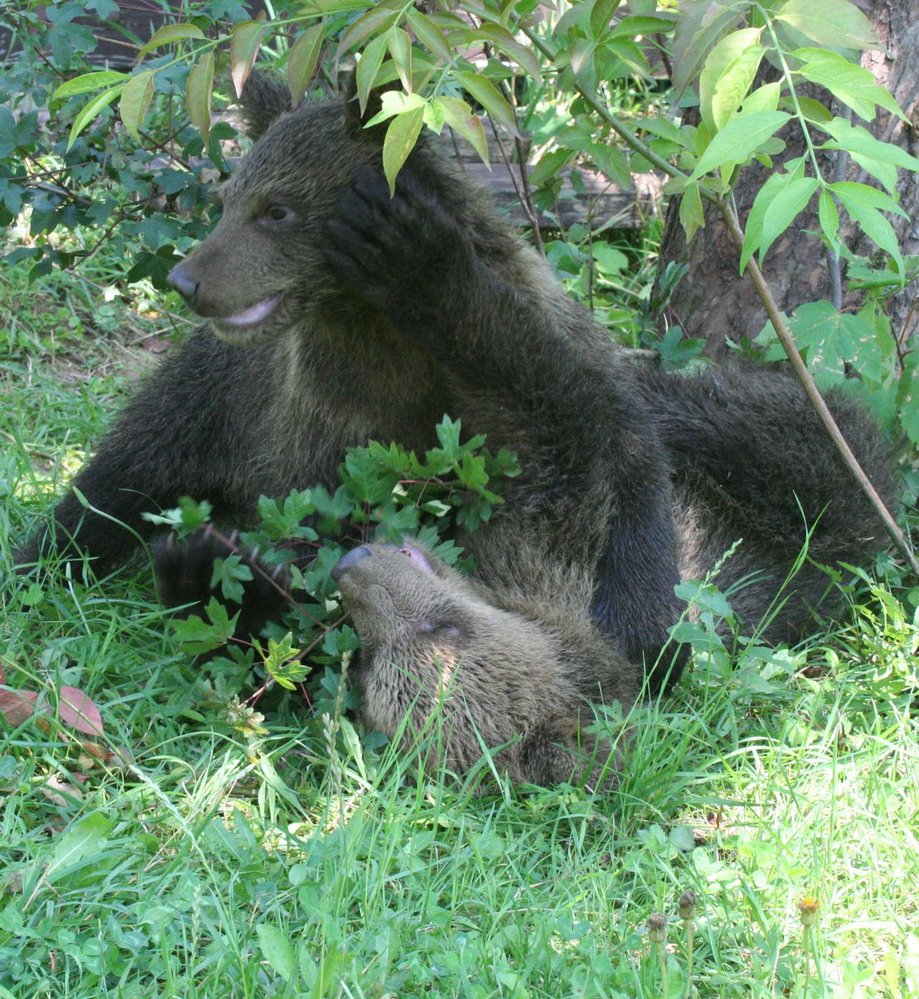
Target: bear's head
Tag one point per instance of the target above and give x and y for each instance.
(405, 603)
(260, 272)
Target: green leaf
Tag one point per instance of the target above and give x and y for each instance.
(302, 61)
(285, 520)
(828, 217)
(430, 36)
(739, 139)
(764, 98)
(870, 197)
(583, 62)
(135, 99)
(859, 140)
(908, 396)
(394, 102)
(333, 6)
(880, 159)
(448, 434)
(729, 62)
(198, 636)
(677, 350)
(830, 22)
(607, 157)
(377, 21)
(434, 115)
(698, 28)
(505, 42)
(401, 136)
(461, 119)
(186, 517)
(733, 85)
(367, 69)
(277, 950)
(85, 838)
(549, 165)
(775, 183)
(400, 48)
(282, 663)
(691, 215)
(661, 127)
(853, 85)
(198, 89)
(830, 340)
(864, 205)
(635, 26)
(168, 34)
(229, 573)
(87, 83)
(619, 58)
(601, 14)
(784, 209)
(245, 41)
(813, 110)
(613, 162)
(481, 89)
(608, 260)
(91, 111)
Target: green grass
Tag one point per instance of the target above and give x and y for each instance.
(213, 852)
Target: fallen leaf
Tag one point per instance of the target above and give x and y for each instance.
(17, 706)
(79, 712)
(75, 709)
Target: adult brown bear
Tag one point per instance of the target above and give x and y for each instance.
(336, 314)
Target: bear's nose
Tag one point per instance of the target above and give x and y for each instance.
(349, 560)
(185, 285)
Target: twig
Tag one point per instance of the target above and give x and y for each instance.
(524, 194)
(251, 558)
(270, 681)
(811, 390)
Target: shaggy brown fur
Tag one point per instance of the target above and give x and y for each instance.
(440, 659)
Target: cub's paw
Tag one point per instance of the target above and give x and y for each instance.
(403, 255)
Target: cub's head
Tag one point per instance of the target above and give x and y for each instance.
(407, 606)
(422, 630)
(261, 270)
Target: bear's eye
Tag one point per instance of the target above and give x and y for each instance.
(278, 214)
(438, 628)
(416, 557)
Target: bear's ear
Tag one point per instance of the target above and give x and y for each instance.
(265, 97)
(353, 117)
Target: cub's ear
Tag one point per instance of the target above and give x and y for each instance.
(265, 97)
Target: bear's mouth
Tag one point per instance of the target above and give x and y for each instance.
(254, 314)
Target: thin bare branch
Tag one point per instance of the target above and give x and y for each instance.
(813, 393)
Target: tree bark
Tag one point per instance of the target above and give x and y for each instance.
(713, 303)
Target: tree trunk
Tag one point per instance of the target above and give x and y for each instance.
(712, 303)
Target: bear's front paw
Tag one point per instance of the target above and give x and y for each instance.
(184, 572)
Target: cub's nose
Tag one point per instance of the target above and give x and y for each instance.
(349, 560)
(183, 283)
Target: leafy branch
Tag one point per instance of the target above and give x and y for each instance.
(750, 266)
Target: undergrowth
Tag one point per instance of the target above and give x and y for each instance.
(203, 848)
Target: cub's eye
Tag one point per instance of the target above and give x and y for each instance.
(416, 557)
(278, 214)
